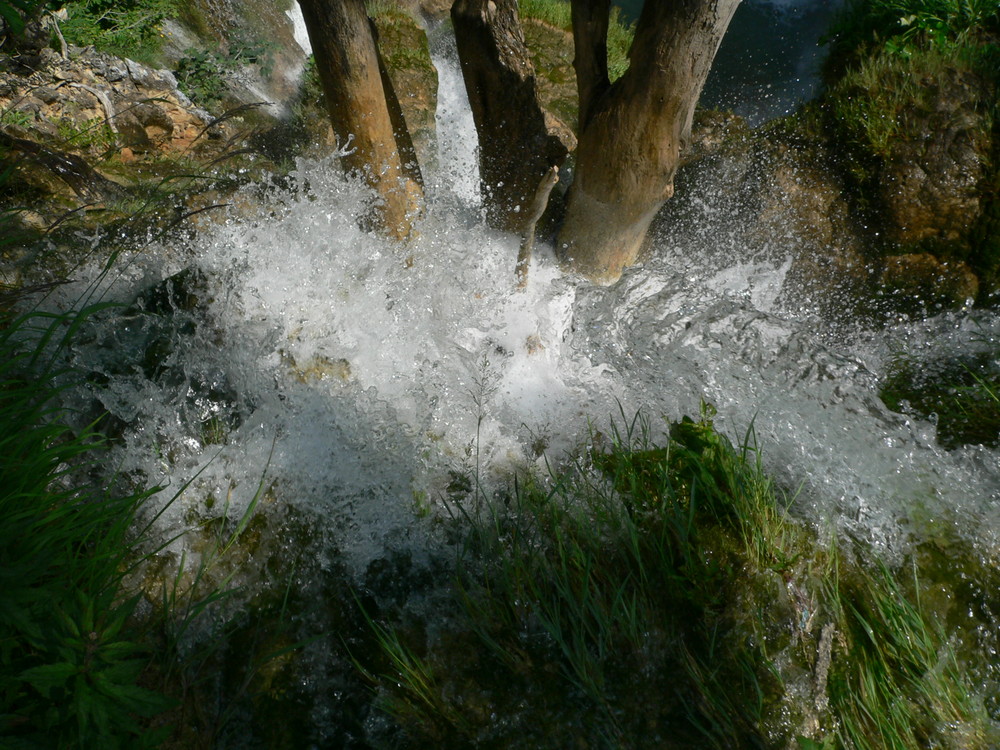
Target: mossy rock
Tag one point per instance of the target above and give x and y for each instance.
(405, 50)
(552, 56)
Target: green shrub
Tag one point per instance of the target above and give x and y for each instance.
(204, 74)
(131, 28)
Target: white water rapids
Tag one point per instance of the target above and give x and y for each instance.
(373, 369)
(355, 375)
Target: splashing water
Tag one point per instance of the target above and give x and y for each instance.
(358, 374)
(374, 369)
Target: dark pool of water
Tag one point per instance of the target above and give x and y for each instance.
(770, 59)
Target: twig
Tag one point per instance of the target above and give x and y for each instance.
(105, 100)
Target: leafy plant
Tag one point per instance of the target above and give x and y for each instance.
(203, 74)
(903, 26)
(131, 28)
(69, 657)
(16, 118)
(94, 133)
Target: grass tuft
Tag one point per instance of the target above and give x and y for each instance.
(658, 592)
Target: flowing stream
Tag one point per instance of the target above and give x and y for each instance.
(357, 377)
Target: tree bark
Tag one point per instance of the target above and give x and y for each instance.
(631, 138)
(362, 104)
(516, 148)
(590, 44)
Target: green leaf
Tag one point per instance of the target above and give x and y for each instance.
(49, 676)
(12, 17)
(133, 698)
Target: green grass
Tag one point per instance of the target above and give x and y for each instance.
(900, 685)
(876, 102)
(70, 655)
(92, 653)
(657, 593)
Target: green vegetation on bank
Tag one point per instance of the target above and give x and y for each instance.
(132, 28)
(71, 654)
(905, 27)
(961, 395)
(660, 591)
(911, 82)
(887, 54)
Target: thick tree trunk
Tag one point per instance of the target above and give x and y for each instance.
(362, 104)
(631, 138)
(516, 148)
(590, 41)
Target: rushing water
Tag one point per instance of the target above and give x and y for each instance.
(355, 375)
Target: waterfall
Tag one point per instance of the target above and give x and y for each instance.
(356, 376)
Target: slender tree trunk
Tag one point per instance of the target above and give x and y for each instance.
(362, 104)
(516, 147)
(632, 131)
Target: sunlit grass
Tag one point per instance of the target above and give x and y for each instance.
(662, 584)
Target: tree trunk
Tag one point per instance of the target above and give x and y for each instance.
(634, 129)
(590, 42)
(516, 148)
(362, 104)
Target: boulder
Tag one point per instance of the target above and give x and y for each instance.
(929, 182)
(921, 284)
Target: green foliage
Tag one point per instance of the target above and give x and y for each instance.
(16, 14)
(16, 118)
(660, 591)
(203, 74)
(94, 133)
(69, 658)
(131, 28)
(904, 26)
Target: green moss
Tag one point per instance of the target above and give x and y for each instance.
(557, 13)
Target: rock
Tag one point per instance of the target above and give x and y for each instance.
(929, 183)
(319, 368)
(434, 9)
(919, 283)
(404, 47)
(786, 203)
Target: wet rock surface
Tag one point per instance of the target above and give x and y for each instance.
(930, 180)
